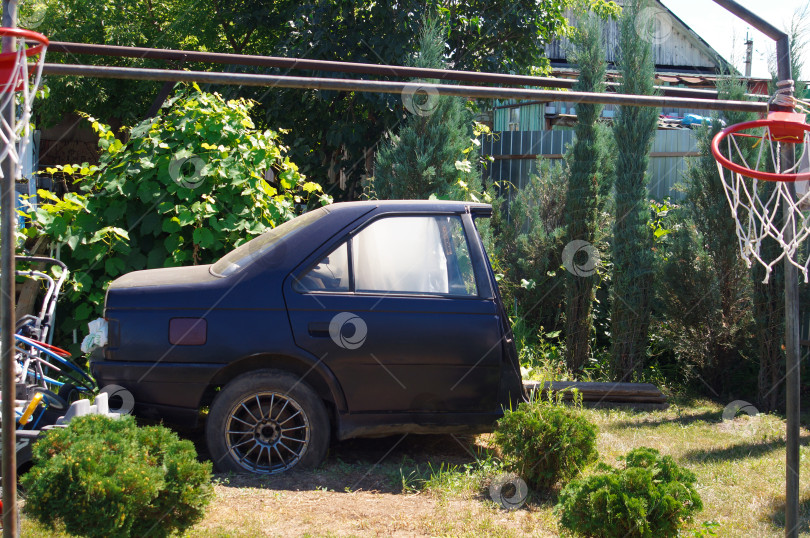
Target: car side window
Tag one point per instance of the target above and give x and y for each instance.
(420, 255)
(330, 274)
(462, 276)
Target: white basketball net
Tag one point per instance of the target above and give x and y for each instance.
(755, 204)
(14, 135)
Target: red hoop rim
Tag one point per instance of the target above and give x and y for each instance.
(6, 57)
(9, 81)
(756, 174)
(26, 34)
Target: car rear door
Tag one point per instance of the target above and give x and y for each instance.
(402, 311)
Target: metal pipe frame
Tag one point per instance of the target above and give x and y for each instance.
(344, 67)
(379, 86)
(7, 266)
(10, 528)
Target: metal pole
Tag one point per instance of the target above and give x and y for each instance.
(753, 19)
(792, 350)
(7, 263)
(381, 86)
(792, 368)
(749, 56)
(306, 64)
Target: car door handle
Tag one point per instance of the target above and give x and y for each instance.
(319, 329)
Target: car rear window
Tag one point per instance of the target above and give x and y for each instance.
(246, 254)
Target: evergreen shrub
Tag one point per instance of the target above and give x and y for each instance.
(108, 478)
(545, 442)
(651, 496)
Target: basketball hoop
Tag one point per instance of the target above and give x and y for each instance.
(757, 186)
(19, 80)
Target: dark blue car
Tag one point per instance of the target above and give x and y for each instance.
(354, 320)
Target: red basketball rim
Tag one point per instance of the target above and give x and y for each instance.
(28, 35)
(22, 32)
(775, 125)
(10, 80)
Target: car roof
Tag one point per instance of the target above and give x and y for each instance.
(418, 206)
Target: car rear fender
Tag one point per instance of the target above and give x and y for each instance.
(309, 370)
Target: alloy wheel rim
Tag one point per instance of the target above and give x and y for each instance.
(267, 433)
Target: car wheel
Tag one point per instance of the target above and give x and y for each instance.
(267, 422)
(69, 393)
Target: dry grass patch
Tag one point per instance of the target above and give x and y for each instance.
(423, 488)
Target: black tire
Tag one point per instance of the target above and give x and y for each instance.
(69, 393)
(267, 422)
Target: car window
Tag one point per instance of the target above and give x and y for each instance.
(330, 274)
(246, 254)
(463, 277)
(413, 255)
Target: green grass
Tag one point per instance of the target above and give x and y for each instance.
(739, 465)
(451, 481)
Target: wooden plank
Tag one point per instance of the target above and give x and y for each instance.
(608, 392)
(634, 388)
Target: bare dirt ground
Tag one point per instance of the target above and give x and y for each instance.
(360, 491)
(401, 486)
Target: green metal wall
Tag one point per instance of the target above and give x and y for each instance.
(667, 165)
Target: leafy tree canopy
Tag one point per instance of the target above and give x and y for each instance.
(187, 187)
(124, 23)
(336, 132)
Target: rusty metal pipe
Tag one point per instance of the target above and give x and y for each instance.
(343, 67)
(378, 86)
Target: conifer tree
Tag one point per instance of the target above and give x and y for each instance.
(421, 159)
(587, 158)
(769, 299)
(705, 285)
(769, 322)
(634, 130)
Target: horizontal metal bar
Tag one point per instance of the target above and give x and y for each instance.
(533, 156)
(377, 86)
(306, 64)
(344, 67)
(525, 156)
(714, 96)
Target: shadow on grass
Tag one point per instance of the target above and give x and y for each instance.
(682, 420)
(689, 399)
(739, 451)
(777, 512)
(542, 500)
(384, 465)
